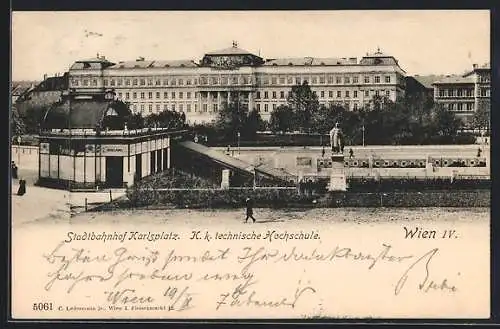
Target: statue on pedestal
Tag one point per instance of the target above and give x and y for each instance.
(337, 139)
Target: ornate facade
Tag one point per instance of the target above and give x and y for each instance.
(200, 88)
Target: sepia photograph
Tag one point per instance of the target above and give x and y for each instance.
(250, 165)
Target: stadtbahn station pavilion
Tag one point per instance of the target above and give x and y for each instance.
(85, 143)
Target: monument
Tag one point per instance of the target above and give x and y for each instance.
(338, 180)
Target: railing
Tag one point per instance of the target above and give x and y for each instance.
(92, 132)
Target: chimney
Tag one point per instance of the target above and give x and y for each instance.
(45, 76)
(474, 66)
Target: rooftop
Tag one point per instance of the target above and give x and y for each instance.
(453, 79)
(142, 63)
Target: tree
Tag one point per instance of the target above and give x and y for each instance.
(231, 118)
(135, 121)
(17, 125)
(324, 119)
(444, 122)
(481, 117)
(253, 124)
(304, 103)
(281, 119)
(165, 119)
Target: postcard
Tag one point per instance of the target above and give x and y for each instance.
(250, 165)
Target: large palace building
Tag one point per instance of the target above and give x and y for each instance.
(200, 88)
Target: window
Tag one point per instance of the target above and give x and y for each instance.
(451, 92)
(205, 107)
(452, 107)
(165, 107)
(181, 95)
(157, 82)
(216, 107)
(377, 79)
(173, 82)
(266, 108)
(469, 92)
(127, 95)
(165, 82)
(282, 80)
(322, 94)
(214, 80)
(150, 95)
(94, 82)
(258, 107)
(142, 95)
(297, 80)
(355, 94)
(173, 94)
(195, 107)
(339, 94)
(142, 108)
(235, 81)
(143, 82)
(127, 82)
(367, 79)
(484, 92)
(150, 108)
(188, 107)
(274, 107)
(376, 92)
(134, 106)
(441, 93)
(330, 94)
(347, 94)
(322, 79)
(459, 106)
(314, 80)
(330, 79)
(150, 82)
(290, 80)
(257, 95)
(347, 80)
(387, 93)
(188, 83)
(181, 107)
(181, 82)
(173, 107)
(265, 94)
(355, 106)
(354, 79)
(469, 106)
(387, 79)
(134, 95)
(157, 94)
(112, 82)
(86, 82)
(282, 94)
(273, 80)
(274, 95)
(157, 108)
(188, 95)
(338, 80)
(134, 82)
(367, 93)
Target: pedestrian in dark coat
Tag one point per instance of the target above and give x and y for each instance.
(249, 205)
(14, 170)
(22, 187)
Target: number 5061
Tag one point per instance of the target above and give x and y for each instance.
(42, 307)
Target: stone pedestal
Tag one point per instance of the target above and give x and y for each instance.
(225, 179)
(338, 179)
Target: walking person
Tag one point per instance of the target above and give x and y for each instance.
(351, 153)
(249, 205)
(479, 152)
(22, 187)
(14, 170)
(323, 152)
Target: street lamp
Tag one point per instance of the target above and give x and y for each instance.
(363, 130)
(239, 135)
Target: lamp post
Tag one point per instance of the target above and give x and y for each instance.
(239, 135)
(363, 130)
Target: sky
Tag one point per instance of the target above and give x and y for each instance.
(424, 42)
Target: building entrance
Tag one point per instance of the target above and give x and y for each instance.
(114, 171)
